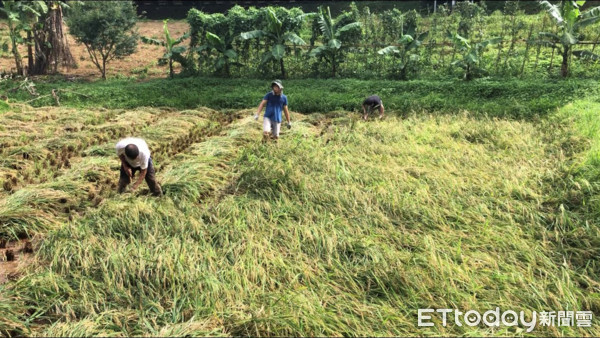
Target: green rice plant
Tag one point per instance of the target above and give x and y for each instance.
(334, 230)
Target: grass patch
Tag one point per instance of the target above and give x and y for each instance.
(507, 98)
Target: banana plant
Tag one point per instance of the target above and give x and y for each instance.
(331, 50)
(21, 16)
(173, 52)
(471, 55)
(407, 53)
(570, 20)
(225, 56)
(277, 38)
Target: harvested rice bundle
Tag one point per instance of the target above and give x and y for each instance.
(126, 124)
(17, 135)
(12, 309)
(199, 171)
(33, 152)
(168, 129)
(67, 116)
(93, 169)
(31, 210)
(200, 112)
(96, 177)
(203, 168)
(103, 149)
(165, 143)
(65, 144)
(191, 179)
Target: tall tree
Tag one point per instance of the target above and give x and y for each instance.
(51, 44)
(107, 29)
(42, 22)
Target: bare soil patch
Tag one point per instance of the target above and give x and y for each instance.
(143, 63)
(13, 256)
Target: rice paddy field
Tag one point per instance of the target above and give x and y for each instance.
(342, 228)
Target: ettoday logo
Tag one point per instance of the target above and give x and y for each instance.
(494, 318)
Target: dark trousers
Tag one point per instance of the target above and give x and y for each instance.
(150, 178)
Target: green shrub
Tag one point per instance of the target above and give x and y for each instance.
(107, 29)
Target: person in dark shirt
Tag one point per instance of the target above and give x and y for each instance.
(370, 104)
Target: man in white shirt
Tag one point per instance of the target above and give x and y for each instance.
(135, 155)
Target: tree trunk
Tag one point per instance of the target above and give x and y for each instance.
(29, 51)
(596, 42)
(171, 68)
(282, 69)
(468, 75)
(501, 44)
(52, 46)
(333, 65)
(15, 50)
(564, 69)
(403, 69)
(514, 35)
(103, 68)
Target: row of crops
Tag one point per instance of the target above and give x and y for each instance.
(58, 162)
(467, 40)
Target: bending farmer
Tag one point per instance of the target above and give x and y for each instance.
(276, 101)
(135, 156)
(370, 104)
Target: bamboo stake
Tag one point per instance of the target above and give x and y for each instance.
(501, 45)
(526, 50)
(539, 47)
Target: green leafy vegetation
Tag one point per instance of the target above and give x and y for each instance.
(570, 20)
(492, 97)
(347, 45)
(173, 52)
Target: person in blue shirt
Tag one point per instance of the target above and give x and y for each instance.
(275, 101)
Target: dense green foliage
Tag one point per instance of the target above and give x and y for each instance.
(173, 52)
(521, 50)
(495, 98)
(21, 17)
(570, 20)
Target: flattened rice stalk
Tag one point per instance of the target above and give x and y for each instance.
(28, 211)
(203, 167)
(12, 309)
